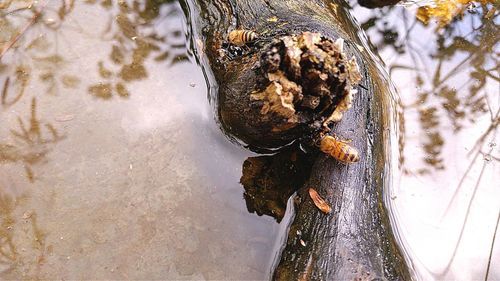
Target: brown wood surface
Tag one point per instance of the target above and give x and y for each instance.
(377, 3)
(355, 241)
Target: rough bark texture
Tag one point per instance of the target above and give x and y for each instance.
(355, 240)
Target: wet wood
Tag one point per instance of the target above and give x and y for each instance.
(270, 180)
(355, 240)
(377, 3)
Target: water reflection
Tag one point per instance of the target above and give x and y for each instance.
(449, 70)
(112, 166)
(146, 187)
(133, 31)
(30, 55)
(446, 71)
(7, 247)
(22, 242)
(31, 142)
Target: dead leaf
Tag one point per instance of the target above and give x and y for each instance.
(443, 11)
(319, 202)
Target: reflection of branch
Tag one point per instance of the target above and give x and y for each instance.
(452, 72)
(22, 76)
(494, 124)
(487, 73)
(491, 248)
(464, 223)
(5, 92)
(460, 185)
(479, 143)
(31, 146)
(10, 258)
(412, 52)
(39, 239)
(488, 156)
(22, 31)
(8, 254)
(408, 28)
(136, 39)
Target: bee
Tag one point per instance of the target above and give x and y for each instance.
(240, 37)
(339, 150)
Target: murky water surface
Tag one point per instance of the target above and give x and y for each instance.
(111, 163)
(112, 166)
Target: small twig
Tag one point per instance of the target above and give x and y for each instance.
(21, 33)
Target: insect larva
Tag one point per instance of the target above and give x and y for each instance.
(241, 37)
(339, 150)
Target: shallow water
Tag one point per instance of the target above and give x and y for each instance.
(111, 163)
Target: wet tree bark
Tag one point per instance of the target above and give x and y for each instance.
(355, 241)
(377, 3)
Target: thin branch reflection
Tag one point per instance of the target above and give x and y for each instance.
(450, 70)
(31, 142)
